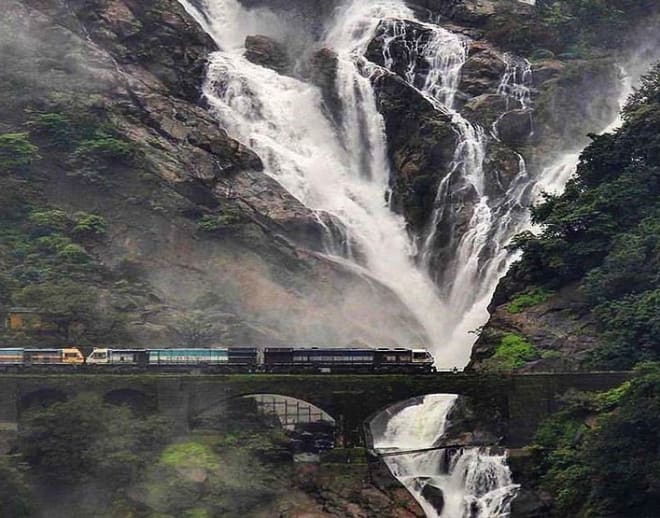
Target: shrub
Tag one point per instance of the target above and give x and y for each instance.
(48, 221)
(89, 224)
(57, 127)
(73, 253)
(512, 353)
(228, 217)
(530, 298)
(16, 151)
(104, 147)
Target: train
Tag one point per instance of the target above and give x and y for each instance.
(224, 360)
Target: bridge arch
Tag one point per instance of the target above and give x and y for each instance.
(138, 401)
(287, 408)
(42, 397)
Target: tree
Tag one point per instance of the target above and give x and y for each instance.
(74, 308)
(86, 438)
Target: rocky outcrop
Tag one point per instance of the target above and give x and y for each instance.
(265, 51)
(323, 66)
(561, 334)
(576, 98)
(482, 72)
(421, 143)
(514, 127)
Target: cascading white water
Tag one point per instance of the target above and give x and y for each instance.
(344, 173)
(474, 482)
(479, 257)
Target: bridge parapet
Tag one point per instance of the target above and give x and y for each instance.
(517, 402)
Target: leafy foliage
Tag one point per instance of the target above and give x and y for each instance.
(102, 147)
(600, 455)
(603, 232)
(85, 438)
(16, 152)
(15, 493)
(579, 23)
(228, 216)
(75, 311)
(530, 298)
(196, 329)
(512, 353)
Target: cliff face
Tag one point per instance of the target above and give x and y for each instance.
(191, 221)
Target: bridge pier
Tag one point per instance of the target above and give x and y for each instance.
(9, 398)
(174, 403)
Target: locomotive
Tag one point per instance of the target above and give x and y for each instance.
(226, 359)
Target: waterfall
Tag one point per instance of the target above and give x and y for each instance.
(478, 258)
(344, 173)
(469, 482)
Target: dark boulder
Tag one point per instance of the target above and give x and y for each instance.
(529, 504)
(515, 127)
(266, 52)
(485, 109)
(323, 73)
(434, 496)
(482, 71)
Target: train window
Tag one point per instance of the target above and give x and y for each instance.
(70, 355)
(390, 358)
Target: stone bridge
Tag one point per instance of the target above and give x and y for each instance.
(517, 402)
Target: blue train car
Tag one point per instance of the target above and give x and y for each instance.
(188, 356)
(12, 357)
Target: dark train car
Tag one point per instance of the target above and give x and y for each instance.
(244, 356)
(288, 359)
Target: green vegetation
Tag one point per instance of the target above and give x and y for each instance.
(603, 233)
(228, 216)
(512, 353)
(530, 298)
(16, 152)
(46, 253)
(85, 438)
(103, 147)
(602, 23)
(600, 456)
(189, 454)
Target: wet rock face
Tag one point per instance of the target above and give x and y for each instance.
(515, 126)
(323, 66)
(473, 13)
(421, 143)
(470, 12)
(265, 51)
(401, 52)
(434, 496)
(558, 329)
(482, 70)
(159, 37)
